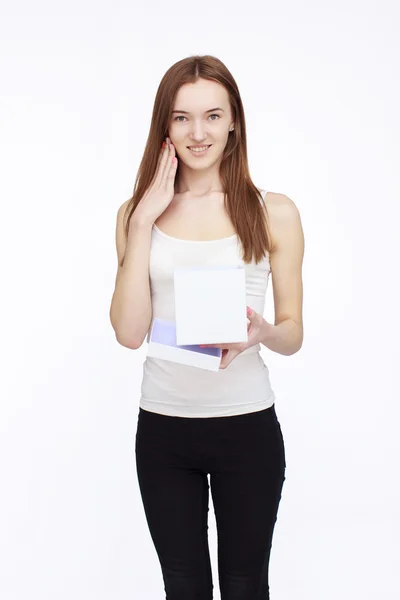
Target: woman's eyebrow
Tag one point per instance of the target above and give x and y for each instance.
(188, 113)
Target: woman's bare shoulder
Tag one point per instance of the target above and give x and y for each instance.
(280, 205)
(276, 199)
(283, 215)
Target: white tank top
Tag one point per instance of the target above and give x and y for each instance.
(174, 389)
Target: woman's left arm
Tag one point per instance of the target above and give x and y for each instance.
(286, 259)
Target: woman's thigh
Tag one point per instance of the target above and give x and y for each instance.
(246, 484)
(175, 494)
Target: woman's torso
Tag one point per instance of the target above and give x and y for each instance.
(198, 232)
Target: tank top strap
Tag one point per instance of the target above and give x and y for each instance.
(263, 194)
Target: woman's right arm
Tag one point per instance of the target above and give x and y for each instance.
(131, 309)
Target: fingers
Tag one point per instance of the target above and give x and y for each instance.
(161, 164)
(172, 171)
(166, 166)
(167, 162)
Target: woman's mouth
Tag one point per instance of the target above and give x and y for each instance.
(201, 151)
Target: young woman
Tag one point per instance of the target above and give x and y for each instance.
(194, 204)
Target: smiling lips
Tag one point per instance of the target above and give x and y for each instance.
(199, 150)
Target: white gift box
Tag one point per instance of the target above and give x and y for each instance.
(210, 308)
(210, 305)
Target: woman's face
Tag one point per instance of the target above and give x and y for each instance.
(201, 116)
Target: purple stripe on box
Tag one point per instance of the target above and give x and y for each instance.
(164, 332)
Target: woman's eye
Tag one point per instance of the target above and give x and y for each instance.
(182, 117)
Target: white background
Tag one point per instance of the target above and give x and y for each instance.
(320, 87)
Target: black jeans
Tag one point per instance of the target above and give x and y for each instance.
(245, 457)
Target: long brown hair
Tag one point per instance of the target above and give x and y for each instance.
(242, 198)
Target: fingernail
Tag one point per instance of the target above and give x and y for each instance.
(163, 145)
